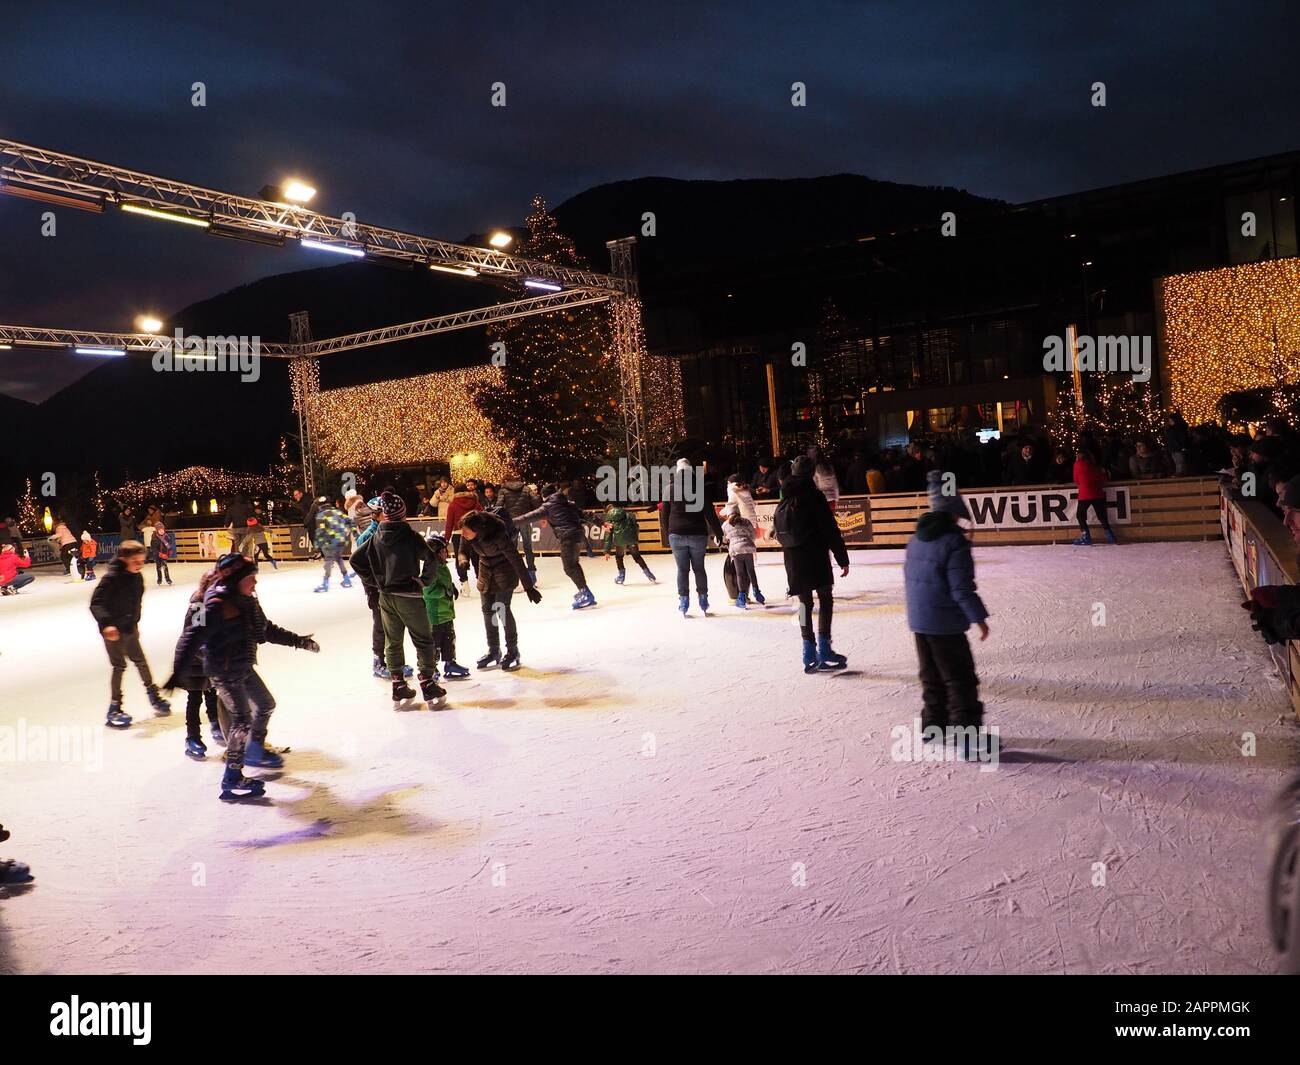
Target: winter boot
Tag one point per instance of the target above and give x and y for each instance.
(378, 668)
(809, 656)
(433, 693)
(234, 785)
(347, 580)
(1083, 541)
(683, 604)
(704, 602)
(116, 718)
(196, 749)
(454, 671)
(402, 692)
(620, 578)
(489, 659)
(649, 576)
(161, 707)
(741, 601)
(511, 661)
(1110, 537)
(826, 657)
(324, 586)
(258, 755)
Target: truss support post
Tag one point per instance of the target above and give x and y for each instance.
(304, 379)
(628, 338)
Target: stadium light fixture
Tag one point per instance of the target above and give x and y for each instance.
(297, 191)
(101, 351)
(463, 271)
(501, 239)
(338, 249)
(61, 199)
(166, 216)
(544, 286)
(148, 324)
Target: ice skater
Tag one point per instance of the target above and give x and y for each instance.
(116, 606)
(333, 533)
(440, 604)
(227, 633)
(89, 549)
(500, 572)
(1090, 476)
(806, 530)
(942, 603)
(686, 520)
(199, 690)
(164, 548)
(741, 501)
(400, 564)
(566, 522)
(518, 499)
(622, 534)
(738, 531)
(464, 501)
(256, 540)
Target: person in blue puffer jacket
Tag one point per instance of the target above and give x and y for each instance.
(942, 603)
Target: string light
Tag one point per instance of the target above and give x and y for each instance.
(192, 482)
(1232, 329)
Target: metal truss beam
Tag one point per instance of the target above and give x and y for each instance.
(446, 323)
(29, 170)
(36, 337)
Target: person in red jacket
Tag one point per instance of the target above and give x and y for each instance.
(465, 501)
(10, 563)
(1090, 476)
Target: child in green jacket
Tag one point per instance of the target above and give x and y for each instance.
(440, 602)
(622, 534)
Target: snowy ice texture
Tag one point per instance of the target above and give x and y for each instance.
(652, 793)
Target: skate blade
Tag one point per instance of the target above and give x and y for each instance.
(257, 797)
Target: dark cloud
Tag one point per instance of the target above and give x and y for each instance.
(386, 107)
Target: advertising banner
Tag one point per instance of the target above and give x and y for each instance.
(1037, 508)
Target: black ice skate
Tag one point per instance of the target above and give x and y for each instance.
(403, 693)
(234, 785)
(433, 693)
(511, 661)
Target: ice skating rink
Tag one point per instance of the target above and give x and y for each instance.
(652, 793)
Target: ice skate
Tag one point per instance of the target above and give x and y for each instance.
(196, 749)
(1110, 537)
(234, 785)
(704, 603)
(454, 671)
(1083, 541)
(584, 599)
(741, 601)
(511, 661)
(116, 717)
(683, 604)
(161, 707)
(649, 576)
(758, 597)
(324, 586)
(218, 737)
(262, 757)
(403, 694)
(378, 669)
(620, 578)
(489, 659)
(14, 874)
(435, 696)
(347, 581)
(826, 657)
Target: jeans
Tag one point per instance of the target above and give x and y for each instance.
(497, 615)
(21, 580)
(688, 553)
(249, 703)
(126, 646)
(334, 555)
(569, 552)
(949, 686)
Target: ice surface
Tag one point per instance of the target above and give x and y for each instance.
(653, 793)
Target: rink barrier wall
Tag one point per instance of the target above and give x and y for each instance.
(1178, 508)
(1262, 552)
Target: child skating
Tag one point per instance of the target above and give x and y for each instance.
(623, 535)
(739, 532)
(199, 691)
(164, 549)
(440, 603)
(116, 606)
(333, 533)
(230, 625)
(942, 603)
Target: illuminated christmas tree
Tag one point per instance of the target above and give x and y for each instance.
(30, 513)
(558, 401)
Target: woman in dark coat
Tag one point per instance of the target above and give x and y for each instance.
(500, 571)
(806, 529)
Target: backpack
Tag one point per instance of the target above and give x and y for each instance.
(787, 527)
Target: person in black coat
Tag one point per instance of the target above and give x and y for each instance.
(516, 500)
(806, 529)
(196, 683)
(115, 606)
(500, 571)
(566, 522)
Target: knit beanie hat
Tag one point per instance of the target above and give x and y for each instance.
(235, 567)
(946, 504)
(392, 505)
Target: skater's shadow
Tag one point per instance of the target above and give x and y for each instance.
(1081, 750)
(328, 819)
(313, 761)
(1075, 692)
(8, 963)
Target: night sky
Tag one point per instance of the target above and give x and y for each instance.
(386, 108)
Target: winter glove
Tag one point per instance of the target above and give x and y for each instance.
(306, 643)
(170, 684)
(1275, 612)
(534, 596)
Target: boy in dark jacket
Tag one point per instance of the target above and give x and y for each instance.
(398, 562)
(229, 625)
(623, 534)
(500, 572)
(567, 524)
(806, 529)
(440, 604)
(116, 608)
(939, 576)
